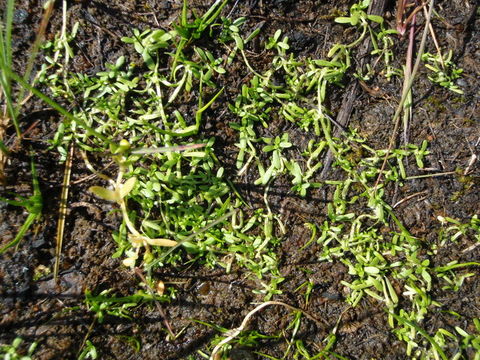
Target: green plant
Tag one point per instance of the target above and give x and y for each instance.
(170, 189)
(118, 195)
(444, 70)
(173, 191)
(278, 162)
(194, 30)
(33, 205)
(409, 332)
(250, 337)
(13, 101)
(12, 352)
(231, 31)
(6, 63)
(89, 351)
(189, 31)
(471, 228)
(469, 341)
(300, 351)
(382, 43)
(105, 304)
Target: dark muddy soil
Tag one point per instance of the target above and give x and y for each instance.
(36, 309)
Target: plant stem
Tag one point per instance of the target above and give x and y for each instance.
(62, 211)
(405, 92)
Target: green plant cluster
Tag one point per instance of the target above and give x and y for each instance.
(12, 352)
(444, 71)
(170, 187)
(390, 266)
(167, 170)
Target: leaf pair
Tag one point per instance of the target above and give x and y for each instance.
(114, 195)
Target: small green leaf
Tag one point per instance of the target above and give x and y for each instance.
(121, 86)
(105, 194)
(127, 40)
(127, 187)
(461, 331)
(253, 34)
(148, 59)
(343, 20)
(138, 47)
(375, 18)
(276, 162)
(120, 61)
(371, 270)
(277, 34)
(267, 176)
(238, 41)
(284, 45)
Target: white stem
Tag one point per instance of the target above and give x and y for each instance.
(235, 332)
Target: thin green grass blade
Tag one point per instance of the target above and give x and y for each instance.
(212, 14)
(3, 148)
(5, 84)
(8, 31)
(153, 150)
(6, 61)
(33, 204)
(21, 233)
(184, 19)
(437, 347)
(57, 107)
(22, 202)
(34, 50)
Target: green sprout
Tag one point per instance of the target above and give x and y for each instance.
(11, 351)
(33, 205)
(89, 351)
(105, 304)
(444, 70)
(278, 162)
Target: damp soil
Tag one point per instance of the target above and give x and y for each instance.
(35, 308)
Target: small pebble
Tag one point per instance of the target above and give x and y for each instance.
(39, 242)
(19, 16)
(461, 83)
(204, 288)
(164, 5)
(240, 354)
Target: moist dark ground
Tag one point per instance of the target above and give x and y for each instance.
(38, 310)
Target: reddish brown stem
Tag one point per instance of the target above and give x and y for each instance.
(139, 273)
